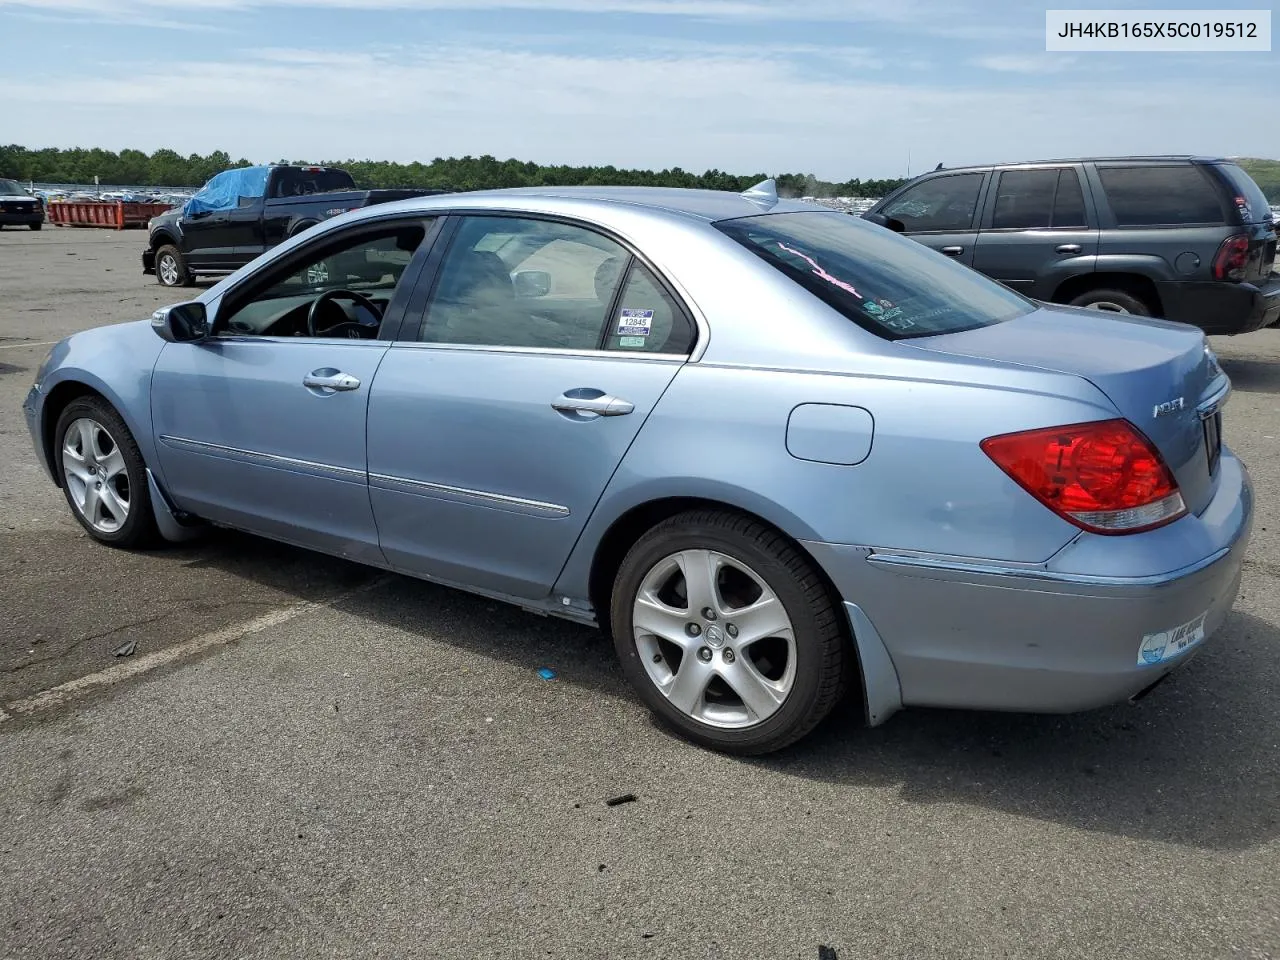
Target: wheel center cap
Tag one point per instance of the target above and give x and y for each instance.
(714, 636)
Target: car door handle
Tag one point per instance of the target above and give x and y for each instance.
(325, 380)
(1068, 248)
(591, 402)
(953, 251)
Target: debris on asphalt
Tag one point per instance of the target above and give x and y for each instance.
(625, 798)
(546, 673)
(125, 649)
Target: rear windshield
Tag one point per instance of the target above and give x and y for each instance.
(894, 287)
(1256, 207)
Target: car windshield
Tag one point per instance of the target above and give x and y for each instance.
(10, 189)
(886, 283)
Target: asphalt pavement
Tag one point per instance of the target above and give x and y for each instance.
(307, 758)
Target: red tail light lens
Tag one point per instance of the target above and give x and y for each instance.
(1104, 477)
(1232, 258)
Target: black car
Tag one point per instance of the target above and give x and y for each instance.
(1185, 238)
(19, 208)
(242, 212)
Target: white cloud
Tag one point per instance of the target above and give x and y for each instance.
(1013, 63)
(730, 109)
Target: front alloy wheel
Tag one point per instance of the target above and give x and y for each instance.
(728, 633)
(95, 474)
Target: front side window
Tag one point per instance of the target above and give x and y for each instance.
(342, 289)
(1144, 195)
(895, 287)
(515, 282)
(937, 204)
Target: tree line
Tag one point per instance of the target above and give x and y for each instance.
(167, 168)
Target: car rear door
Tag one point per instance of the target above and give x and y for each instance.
(1038, 228)
(496, 424)
(941, 212)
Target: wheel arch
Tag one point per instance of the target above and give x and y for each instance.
(1136, 284)
(71, 387)
(627, 528)
(163, 238)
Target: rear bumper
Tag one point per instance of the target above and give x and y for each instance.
(1058, 637)
(148, 261)
(1222, 308)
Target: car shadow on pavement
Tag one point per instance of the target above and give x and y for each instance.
(1192, 764)
(1252, 376)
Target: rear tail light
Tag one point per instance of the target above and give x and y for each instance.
(1232, 258)
(1104, 477)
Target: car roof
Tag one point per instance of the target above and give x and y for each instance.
(1144, 158)
(704, 205)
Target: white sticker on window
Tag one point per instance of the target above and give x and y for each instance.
(635, 323)
(631, 341)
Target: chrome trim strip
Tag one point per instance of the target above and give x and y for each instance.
(225, 337)
(422, 487)
(1039, 574)
(593, 354)
(1207, 408)
(264, 459)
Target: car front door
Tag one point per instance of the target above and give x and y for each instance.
(1037, 230)
(495, 427)
(941, 212)
(262, 425)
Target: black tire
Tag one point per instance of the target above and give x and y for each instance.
(822, 656)
(139, 527)
(35, 226)
(185, 278)
(1109, 298)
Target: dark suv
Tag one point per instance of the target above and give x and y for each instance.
(1184, 238)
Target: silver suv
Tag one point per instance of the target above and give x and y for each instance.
(1185, 238)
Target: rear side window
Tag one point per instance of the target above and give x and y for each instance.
(646, 318)
(1248, 197)
(1038, 199)
(939, 203)
(1144, 195)
(895, 287)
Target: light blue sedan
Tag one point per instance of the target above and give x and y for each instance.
(777, 452)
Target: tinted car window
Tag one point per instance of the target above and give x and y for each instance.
(647, 318)
(512, 282)
(1038, 199)
(886, 283)
(1144, 195)
(1068, 207)
(940, 203)
(10, 188)
(1256, 207)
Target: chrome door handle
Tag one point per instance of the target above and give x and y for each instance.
(602, 405)
(330, 381)
(953, 251)
(1068, 248)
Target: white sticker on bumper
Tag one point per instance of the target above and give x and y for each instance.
(1167, 644)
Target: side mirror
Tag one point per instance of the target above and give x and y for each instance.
(531, 284)
(891, 223)
(181, 322)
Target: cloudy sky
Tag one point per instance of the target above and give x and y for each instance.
(838, 88)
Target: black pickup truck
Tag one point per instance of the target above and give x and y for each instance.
(241, 213)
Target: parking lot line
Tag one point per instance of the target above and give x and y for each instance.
(38, 343)
(66, 692)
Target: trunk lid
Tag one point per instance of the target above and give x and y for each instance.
(1159, 375)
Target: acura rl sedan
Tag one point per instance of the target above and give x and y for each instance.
(778, 453)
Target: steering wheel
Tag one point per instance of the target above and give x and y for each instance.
(350, 328)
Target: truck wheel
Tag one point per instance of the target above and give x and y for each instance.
(171, 268)
(1112, 301)
(35, 226)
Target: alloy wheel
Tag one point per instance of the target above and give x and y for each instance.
(95, 475)
(714, 639)
(168, 267)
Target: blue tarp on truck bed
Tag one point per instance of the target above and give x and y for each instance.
(223, 192)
